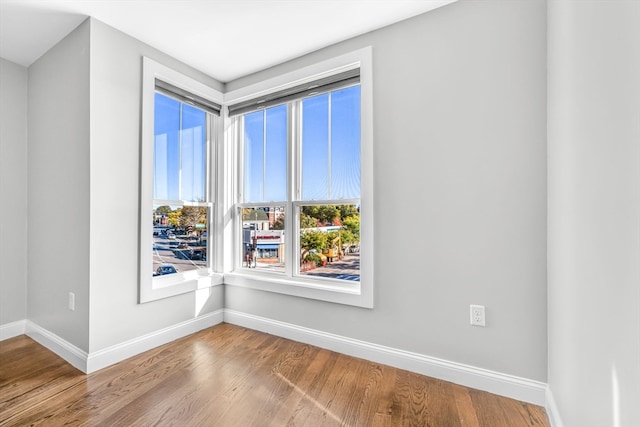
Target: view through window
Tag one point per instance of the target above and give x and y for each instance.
(181, 205)
(315, 178)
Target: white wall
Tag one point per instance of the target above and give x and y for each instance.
(594, 212)
(460, 156)
(58, 194)
(13, 191)
(116, 316)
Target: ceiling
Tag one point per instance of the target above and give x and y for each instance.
(225, 39)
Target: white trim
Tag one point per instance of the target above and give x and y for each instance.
(511, 386)
(13, 329)
(552, 409)
(108, 356)
(100, 359)
(69, 352)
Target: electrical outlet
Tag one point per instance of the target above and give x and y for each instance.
(72, 301)
(477, 315)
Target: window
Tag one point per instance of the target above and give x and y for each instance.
(180, 125)
(304, 183)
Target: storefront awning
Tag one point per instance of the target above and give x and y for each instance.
(267, 246)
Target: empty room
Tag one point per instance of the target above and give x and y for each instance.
(320, 213)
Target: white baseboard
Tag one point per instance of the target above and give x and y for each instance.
(552, 410)
(69, 352)
(518, 388)
(13, 329)
(119, 352)
(97, 360)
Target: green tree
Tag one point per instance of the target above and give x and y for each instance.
(307, 221)
(174, 217)
(192, 215)
(163, 210)
(351, 229)
(325, 214)
(278, 224)
(312, 239)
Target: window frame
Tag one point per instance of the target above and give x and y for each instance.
(154, 288)
(337, 291)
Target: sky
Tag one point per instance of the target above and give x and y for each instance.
(330, 149)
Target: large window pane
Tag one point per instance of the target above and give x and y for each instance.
(263, 238)
(193, 152)
(180, 238)
(345, 143)
(331, 145)
(253, 156)
(180, 151)
(275, 186)
(330, 241)
(166, 148)
(265, 155)
(315, 148)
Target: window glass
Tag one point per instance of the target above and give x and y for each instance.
(315, 148)
(180, 236)
(331, 145)
(265, 155)
(180, 232)
(263, 237)
(345, 143)
(166, 148)
(193, 154)
(329, 242)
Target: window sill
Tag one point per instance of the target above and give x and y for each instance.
(339, 293)
(172, 285)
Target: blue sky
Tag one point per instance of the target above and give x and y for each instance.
(180, 151)
(329, 169)
(330, 149)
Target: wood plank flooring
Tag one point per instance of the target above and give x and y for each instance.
(232, 376)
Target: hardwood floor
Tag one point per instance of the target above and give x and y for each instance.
(232, 376)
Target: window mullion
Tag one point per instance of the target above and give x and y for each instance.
(293, 179)
(180, 153)
(329, 146)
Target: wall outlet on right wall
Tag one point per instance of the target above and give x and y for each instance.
(477, 315)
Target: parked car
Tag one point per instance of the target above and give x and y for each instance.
(165, 269)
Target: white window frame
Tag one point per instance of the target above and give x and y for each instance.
(154, 288)
(343, 292)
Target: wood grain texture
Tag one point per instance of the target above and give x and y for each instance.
(232, 376)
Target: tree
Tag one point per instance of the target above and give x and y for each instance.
(312, 239)
(163, 210)
(351, 229)
(278, 224)
(307, 221)
(174, 217)
(192, 215)
(325, 214)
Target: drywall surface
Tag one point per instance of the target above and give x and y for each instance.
(13, 191)
(58, 188)
(460, 184)
(594, 212)
(116, 76)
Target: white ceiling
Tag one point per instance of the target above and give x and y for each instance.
(225, 39)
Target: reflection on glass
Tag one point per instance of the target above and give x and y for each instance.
(263, 238)
(180, 239)
(330, 241)
(180, 151)
(331, 145)
(265, 155)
